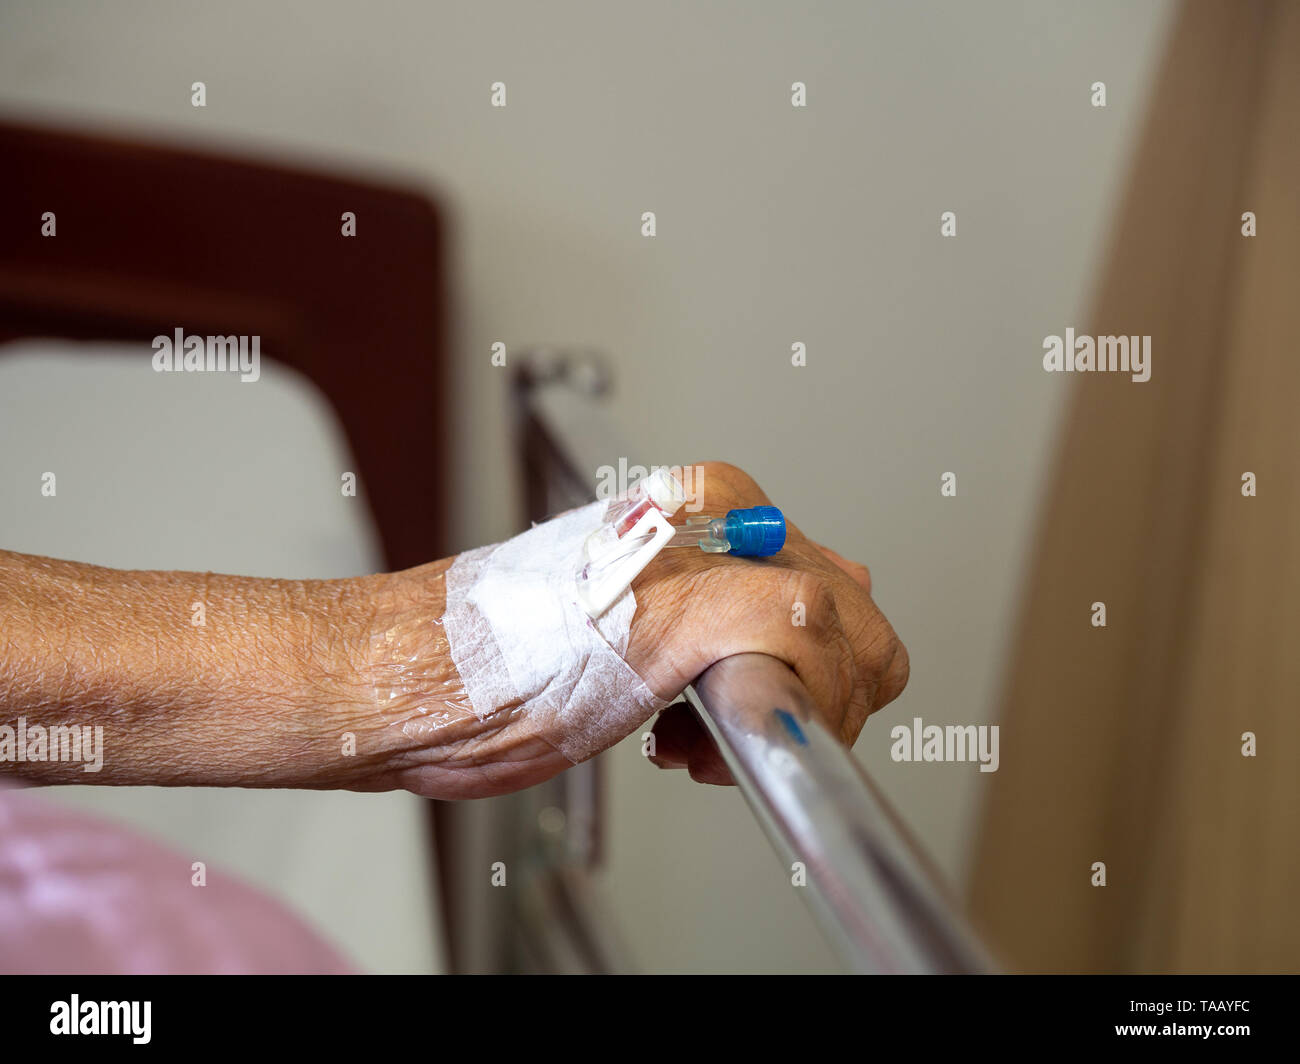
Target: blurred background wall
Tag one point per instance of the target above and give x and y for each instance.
(1158, 753)
(776, 225)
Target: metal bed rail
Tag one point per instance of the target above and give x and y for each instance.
(874, 895)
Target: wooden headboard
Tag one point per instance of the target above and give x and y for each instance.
(149, 239)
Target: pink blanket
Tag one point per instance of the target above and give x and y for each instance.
(83, 896)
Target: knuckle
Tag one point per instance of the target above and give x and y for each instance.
(722, 469)
(897, 671)
(728, 477)
(861, 574)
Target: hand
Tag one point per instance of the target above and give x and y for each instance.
(694, 609)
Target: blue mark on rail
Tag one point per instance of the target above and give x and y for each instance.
(792, 726)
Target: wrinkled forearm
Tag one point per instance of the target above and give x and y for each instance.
(194, 678)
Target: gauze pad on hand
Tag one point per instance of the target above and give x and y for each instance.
(519, 637)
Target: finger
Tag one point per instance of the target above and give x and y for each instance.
(897, 671)
(708, 766)
(682, 741)
(857, 570)
(674, 736)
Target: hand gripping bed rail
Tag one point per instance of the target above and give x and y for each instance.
(873, 893)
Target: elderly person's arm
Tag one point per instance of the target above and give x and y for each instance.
(174, 678)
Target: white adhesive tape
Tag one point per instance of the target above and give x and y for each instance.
(519, 637)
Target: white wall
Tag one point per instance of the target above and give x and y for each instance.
(775, 225)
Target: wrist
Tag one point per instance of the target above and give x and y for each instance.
(331, 723)
(404, 706)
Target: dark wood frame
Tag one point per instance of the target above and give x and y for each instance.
(152, 238)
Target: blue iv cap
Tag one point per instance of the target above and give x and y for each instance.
(755, 532)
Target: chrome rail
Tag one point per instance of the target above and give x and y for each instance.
(876, 898)
(874, 895)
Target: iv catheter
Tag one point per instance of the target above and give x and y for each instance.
(756, 532)
(637, 527)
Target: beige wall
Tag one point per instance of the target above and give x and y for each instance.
(775, 225)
